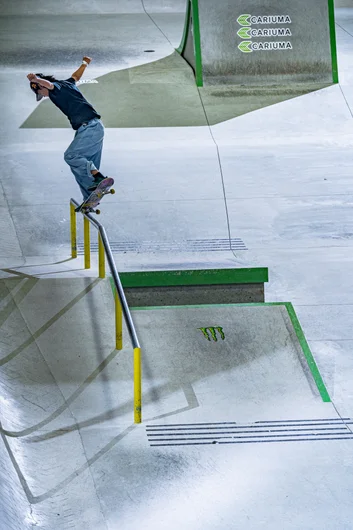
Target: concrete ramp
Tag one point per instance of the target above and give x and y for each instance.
(258, 43)
(227, 363)
(70, 455)
(57, 337)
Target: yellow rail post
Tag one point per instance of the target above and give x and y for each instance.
(73, 231)
(87, 244)
(101, 257)
(137, 386)
(118, 323)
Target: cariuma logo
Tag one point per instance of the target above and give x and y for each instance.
(212, 331)
(249, 46)
(243, 20)
(244, 33)
(248, 20)
(249, 33)
(245, 47)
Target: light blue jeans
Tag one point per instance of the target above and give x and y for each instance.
(84, 153)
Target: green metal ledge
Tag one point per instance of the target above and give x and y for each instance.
(194, 277)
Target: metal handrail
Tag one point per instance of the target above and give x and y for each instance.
(119, 291)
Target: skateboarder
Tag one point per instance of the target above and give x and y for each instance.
(84, 153)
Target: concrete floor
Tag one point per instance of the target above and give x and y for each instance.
(81, 462)
(279, 179)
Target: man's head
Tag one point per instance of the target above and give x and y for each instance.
(40, 91)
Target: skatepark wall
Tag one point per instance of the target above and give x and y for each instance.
(260, 41)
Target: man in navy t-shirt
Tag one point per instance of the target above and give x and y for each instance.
(84, 153)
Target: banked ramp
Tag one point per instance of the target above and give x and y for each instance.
(253, 42)
(71, 456)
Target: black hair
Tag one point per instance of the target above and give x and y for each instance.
(50, 78)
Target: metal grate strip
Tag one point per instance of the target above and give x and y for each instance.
(193, 245)
(258, 432)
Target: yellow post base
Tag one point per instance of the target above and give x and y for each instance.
(73, 231)
(87, 244)
(137, 386)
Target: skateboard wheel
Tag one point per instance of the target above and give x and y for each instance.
(98, 212)
(112, 191)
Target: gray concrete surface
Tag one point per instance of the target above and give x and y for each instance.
(280, 179)
(343, 3)
(80, 462)
(101, 7)
(42, 7)
(164, 6)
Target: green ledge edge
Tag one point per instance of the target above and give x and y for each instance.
(193, 277)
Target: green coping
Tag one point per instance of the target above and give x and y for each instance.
(192, 17)
(308, 355)
(193, 277)
(331, 9)
(186, 29)
(197, 43)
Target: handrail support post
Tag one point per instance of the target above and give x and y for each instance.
(137, 386)
(121, 307)
(101, 257)
(87, 244)
(73, 227)
(118, 322)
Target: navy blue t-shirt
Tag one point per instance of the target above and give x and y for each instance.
(67, 97)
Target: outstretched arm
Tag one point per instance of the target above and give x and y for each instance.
(79, 72)
(42, 82)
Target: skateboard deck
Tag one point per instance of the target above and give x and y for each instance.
(96, 196)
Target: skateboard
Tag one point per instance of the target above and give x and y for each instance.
(96, 196)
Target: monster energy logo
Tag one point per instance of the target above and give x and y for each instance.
(213, 333)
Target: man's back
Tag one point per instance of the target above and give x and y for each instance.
(68, 98)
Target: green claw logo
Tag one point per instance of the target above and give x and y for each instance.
(245, 47)
(244, 33)
(243, 20)
(213, 330)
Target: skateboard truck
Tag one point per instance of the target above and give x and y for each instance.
(103, 188)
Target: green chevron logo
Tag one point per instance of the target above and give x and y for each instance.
(245, 46)
(244, 33)
(243, 20)
(213, 333)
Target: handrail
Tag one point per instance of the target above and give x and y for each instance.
(103, 241)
